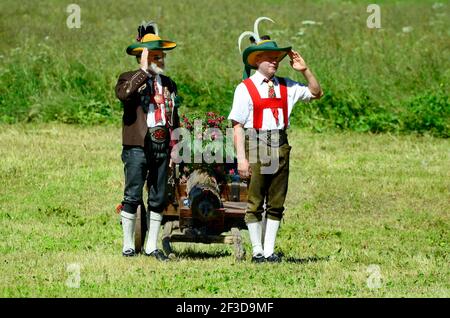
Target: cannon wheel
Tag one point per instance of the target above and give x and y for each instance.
(141, 228)
(239, 251)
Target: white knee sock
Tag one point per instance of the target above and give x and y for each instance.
(254, 230)
(153, 232)
(263, 227)
(271, 234)
(128, 225)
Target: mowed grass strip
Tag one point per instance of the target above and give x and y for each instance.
(367, 216)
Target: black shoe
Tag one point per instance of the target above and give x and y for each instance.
(258, 258)
(159, 255)
(129, 253)
(274, 258)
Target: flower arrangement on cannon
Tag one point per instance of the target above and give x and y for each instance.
(209, 147)
(207, 166)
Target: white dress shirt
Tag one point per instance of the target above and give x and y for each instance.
(242, 109)
(151, 109)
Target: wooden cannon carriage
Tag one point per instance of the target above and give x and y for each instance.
(199, 215)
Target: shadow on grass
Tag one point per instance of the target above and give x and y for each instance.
(312, 259)
(200, 255)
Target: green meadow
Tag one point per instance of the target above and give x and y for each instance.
(368, 202)
(367, 216)
(391, 79)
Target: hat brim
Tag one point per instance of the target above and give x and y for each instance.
(137, 48)
(250, 54)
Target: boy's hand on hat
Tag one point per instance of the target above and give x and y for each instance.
(144, 59)
(297, 61)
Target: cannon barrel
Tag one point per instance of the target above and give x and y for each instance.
(204, 198)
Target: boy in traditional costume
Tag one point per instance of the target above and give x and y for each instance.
(263, 103)
(150, 114)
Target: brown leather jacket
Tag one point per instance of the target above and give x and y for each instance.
(134, 118)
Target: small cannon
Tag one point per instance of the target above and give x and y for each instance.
(201, 210)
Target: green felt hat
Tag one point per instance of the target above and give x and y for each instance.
(250, 53)
(261, 44)
(151, 42)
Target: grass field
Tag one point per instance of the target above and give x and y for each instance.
(367, 216)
